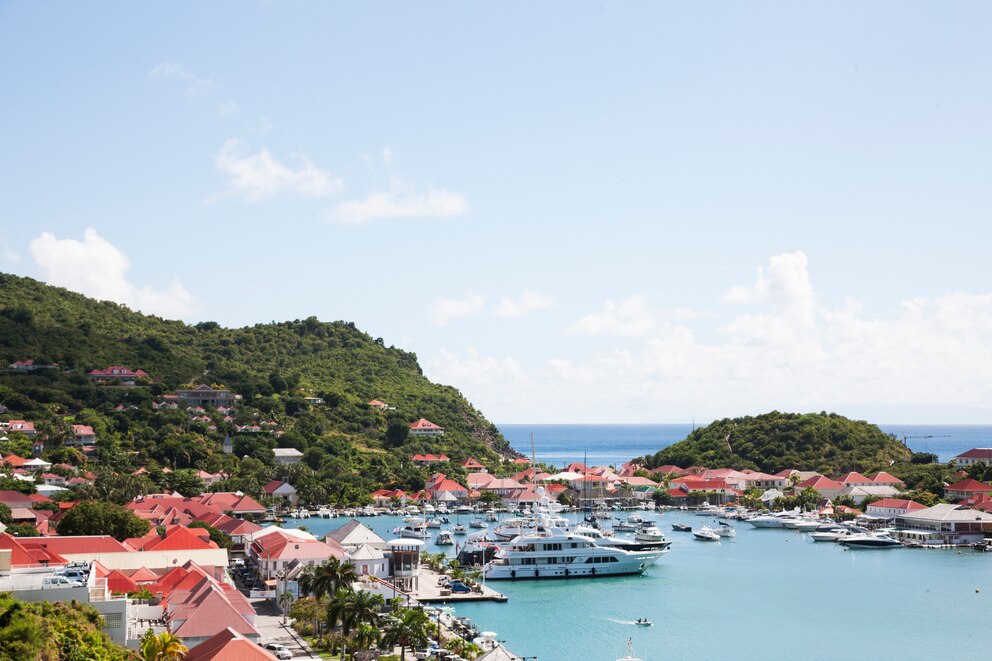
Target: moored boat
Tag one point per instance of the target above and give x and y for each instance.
(706, 534)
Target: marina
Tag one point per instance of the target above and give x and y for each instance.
(814, 586)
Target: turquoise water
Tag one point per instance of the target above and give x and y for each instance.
(614, 444)
(767, 594)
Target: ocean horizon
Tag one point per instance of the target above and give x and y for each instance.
(613, 444)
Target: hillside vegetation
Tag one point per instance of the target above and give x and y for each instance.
(827, 443)
(47, 631)
(348, 446)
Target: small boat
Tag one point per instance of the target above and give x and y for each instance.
(706, 534)
(630, 652)
(433, 523)
(444, 538)
(870, 541)
(459, 529)
(649, 532)
(478, 523)
(625, 526)
(678, 527)
(643, 622)
(726, 531)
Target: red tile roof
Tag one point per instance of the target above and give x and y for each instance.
(898, 504)
(969, 485)
(228, 645)
(424, 423)
(820, 482)
(853, 477)
(885, 478)
(976, 453)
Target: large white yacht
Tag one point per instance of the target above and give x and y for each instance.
(553, 552)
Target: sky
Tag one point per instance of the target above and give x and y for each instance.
(573, 212)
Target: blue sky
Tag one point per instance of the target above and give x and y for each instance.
(573, 212)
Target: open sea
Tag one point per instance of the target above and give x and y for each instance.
(768, 594)
(598, 445)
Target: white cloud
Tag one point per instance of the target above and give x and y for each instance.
(518, 307)
(196, 85)
(921, 360)
(96, 268)
(475, 369)
(400, 202)
(227, 108)
(259, 176)
(443, 310)
(387, 156)
(630, 317)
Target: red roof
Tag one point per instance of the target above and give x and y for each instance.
(87, 544)
(228, 645)
(885, 478)
(424, 423)
(176, 538)
(471, 462)
(821, 482)
(853, 476)
(976, 453)
(898, 504)
(118, 582)
(969, 485)
(521, 460)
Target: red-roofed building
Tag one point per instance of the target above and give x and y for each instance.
(197, 614)
(384, 497)
(446, 485)
(966, 489)
(278, 548)
(479, 480)
(889, 508)
(427, 459)
(120, 583)
(576, 467)
(668, 469)
(27, 556)
(20, 427)
(118, 373)
(471, 464)
(521, 460)
(376, 404)
(974, 456)
(175, 538)
(855, 479)
(883, 478)
(823, 485)
(531, 475)
(715, 491)
(229, 645)
(424, 427)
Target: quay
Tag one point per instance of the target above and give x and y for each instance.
(430, 592)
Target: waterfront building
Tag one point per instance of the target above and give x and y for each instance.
(889, 508)
(859, 493)
(281, 492)
(404, 563)
(944, 524)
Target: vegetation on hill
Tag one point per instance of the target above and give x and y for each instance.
(827, 443)
(349, 447)
(52, 631)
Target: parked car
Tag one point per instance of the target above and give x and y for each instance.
(279, 650)
(59, 582)
(73, 574)
(458, 586)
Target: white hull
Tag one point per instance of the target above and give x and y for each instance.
(497, 572)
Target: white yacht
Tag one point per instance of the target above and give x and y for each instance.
(459, 529)
(444, 538)
(649, 532)
(553, 552)
(625, 526)
(726, 531)
(871, 540)
(705, 534)
(774, 520)
(620, 542)
(414, 527)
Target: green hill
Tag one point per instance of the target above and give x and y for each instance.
(272, 366)
(827, 443)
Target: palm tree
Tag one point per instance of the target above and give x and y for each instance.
(366, 635)
(407, 628)
(163, 647)
(332, 576)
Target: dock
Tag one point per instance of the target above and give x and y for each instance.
(429, 592)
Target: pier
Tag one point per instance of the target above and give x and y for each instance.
(430, 592)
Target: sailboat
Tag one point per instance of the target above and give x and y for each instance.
(630, 652)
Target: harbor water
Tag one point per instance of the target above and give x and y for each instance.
(767, 593)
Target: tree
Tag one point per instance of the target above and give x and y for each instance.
(185, 481)
(162, 647)
(6, 516)
(407, 628)
(93, 517)
(328, 578)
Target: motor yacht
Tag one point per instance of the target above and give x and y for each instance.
(871, 540)
(726, 531)
(625, 526)
(444, 538)
(602, 539)
(706, 534)
(459, 529)
(649, 532)
(414, 527)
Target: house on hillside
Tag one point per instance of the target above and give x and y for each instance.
(287, 455)
(424, 427)
(974, 456)
(966, 489)
(204, 395)
(116, 374)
